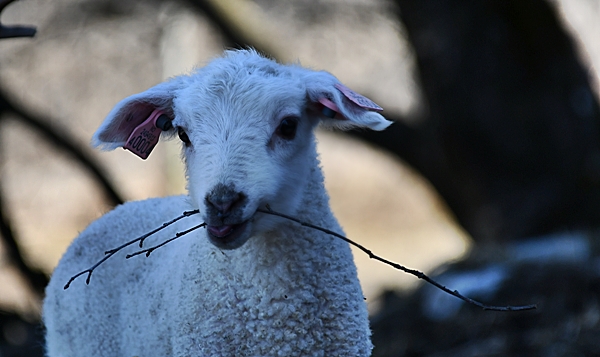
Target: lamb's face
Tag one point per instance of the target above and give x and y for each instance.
(246, 143)
(246, 125)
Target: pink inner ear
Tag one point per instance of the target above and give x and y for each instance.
(136, 114)
(330, 109)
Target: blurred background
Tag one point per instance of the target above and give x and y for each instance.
(489, 179)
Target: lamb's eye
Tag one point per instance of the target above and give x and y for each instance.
(183, 136)
(287, 128)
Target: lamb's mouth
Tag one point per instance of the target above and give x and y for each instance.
(228, 236)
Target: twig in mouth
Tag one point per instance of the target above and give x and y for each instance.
(111, 252)
(416, 273)
(268, 210)
(177, 235)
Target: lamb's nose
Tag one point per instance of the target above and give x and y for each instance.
(223, 205)
(223, 200)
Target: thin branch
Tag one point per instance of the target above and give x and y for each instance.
(15, 30)
(416, 273)
(268, 210)
(111, 252)
(142, 238)
(177, 235)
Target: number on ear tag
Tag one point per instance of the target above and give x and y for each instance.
(145, 136)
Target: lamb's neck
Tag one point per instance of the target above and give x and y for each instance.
(314, 207)
(294, 243)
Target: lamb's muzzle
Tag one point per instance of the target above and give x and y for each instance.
(226, 225)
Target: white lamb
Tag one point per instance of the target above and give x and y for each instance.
(250, 284)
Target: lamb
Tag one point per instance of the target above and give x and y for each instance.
(249, 284)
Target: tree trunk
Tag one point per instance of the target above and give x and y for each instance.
(511, 140)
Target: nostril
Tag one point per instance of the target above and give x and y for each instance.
(223, 200)
(224, 206)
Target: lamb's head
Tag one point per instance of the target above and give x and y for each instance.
(246, 125)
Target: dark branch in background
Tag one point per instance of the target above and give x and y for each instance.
(36, 278)
(416, 273)
(111, 252)
(233, 35)
(62, 140)
(59, 138)
(14, 30)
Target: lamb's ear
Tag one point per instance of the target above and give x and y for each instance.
(340, 107)
(133, 112)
